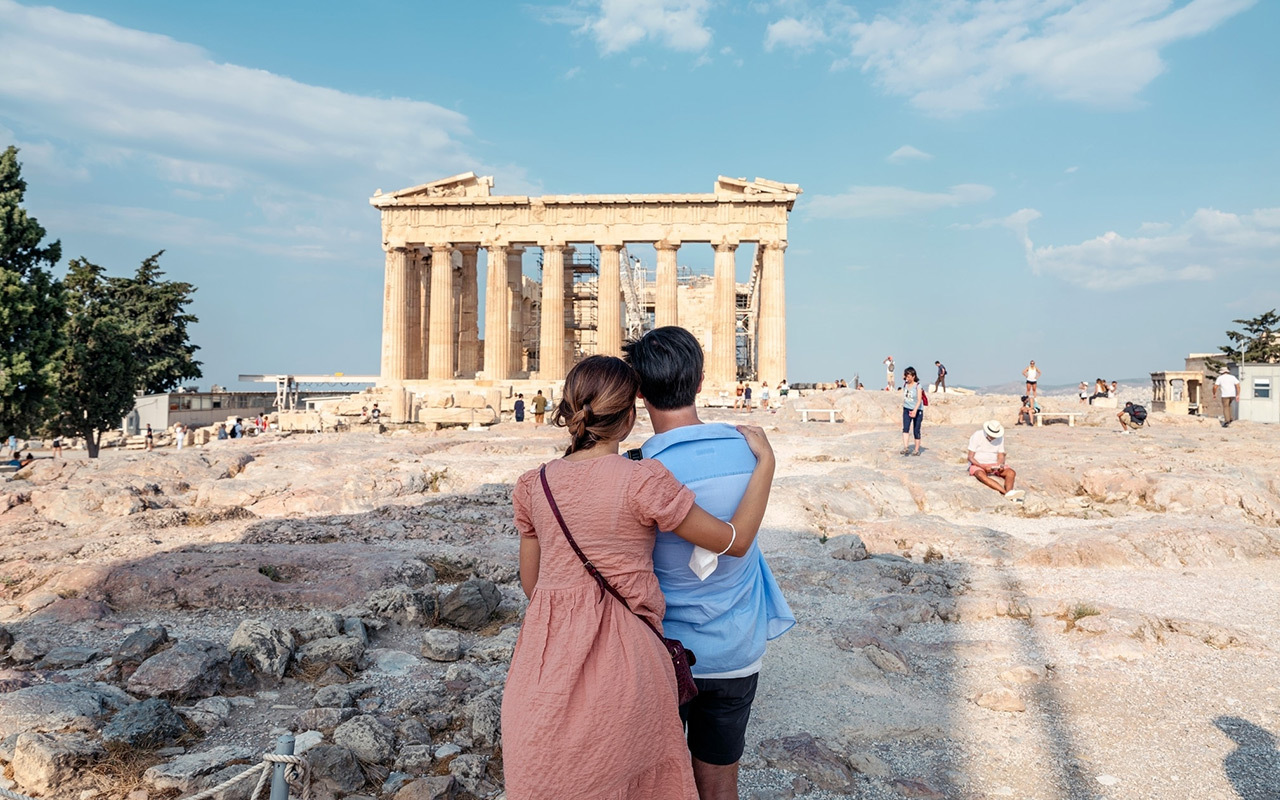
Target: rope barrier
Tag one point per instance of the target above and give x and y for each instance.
(297, 775)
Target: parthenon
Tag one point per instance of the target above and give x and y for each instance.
(592, 293)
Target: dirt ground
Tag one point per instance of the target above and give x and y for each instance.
(1112, 637)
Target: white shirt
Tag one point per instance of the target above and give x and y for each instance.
(1032, 374)
(1227, 385)
(888, 364)
(985, 451)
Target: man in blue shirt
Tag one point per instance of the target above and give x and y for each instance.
(727, 618)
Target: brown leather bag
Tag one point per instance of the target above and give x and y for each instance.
(681, 658)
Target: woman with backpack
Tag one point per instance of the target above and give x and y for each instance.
(913, 401)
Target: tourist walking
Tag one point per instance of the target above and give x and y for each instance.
(1083, 389)
(889, 385)
(519, 408)
(150, 438)
(764, 396)
(784, 389)
(730, 609)
(57, 447)
(746, 397)
(1032, 374)
(590, 706)
(940, 385)
(12, 445)
(180, 435)
(539, 408)
(986, 461)
(1226, 387)
(737, 396)
(912, 411)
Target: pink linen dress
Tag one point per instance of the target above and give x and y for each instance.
(590, 705)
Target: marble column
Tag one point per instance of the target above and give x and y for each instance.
(570, 323)
(440, 363)
(395, 322)
(723, 360)
(424, 305)
(414, 311)
(469, 315)
(515, 299)
(609, 302)
(551, 341)
(497, 308)
(771, 343)
(666, 304)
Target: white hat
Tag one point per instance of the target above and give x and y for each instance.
(1223, 371)
(993, 429)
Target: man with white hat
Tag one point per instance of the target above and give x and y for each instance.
(1226, 386)
(986, 461)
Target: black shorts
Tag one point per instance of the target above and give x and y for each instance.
(716, 720)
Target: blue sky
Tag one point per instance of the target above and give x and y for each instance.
(1090, 184)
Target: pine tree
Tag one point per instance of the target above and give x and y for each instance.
(1258, 342)
(100, 371)
(156, 323)
(31, 309)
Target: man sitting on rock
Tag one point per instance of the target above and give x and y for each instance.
(1132, 417)
(986, 461)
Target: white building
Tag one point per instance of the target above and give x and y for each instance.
(1259, 391)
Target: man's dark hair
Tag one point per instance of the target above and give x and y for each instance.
(669, 362)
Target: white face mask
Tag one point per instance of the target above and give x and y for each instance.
(703, 562)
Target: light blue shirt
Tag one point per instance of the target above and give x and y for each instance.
(727, 619)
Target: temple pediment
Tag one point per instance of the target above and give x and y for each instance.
(466, 184)
(742, 186)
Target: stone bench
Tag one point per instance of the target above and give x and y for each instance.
(805, 413)
(1070, 416)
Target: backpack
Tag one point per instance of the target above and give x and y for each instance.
(1138, 413)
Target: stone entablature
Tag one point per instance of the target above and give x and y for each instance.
(460, 209)
(430, 321)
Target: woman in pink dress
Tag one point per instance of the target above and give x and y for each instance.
(590, 705)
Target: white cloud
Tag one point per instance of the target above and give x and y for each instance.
(798, 34)
(907, 153)
(572, 72)
(951, 57)
(616, 25)
(1208, 244)
(112, 98)
(1070, 170)
(862, 202)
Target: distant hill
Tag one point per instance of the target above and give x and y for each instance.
(1128, 386)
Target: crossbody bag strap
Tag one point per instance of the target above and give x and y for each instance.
(586, 562)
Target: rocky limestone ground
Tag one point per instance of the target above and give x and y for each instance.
(165, 616)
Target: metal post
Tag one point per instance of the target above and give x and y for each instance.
(280, 788)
